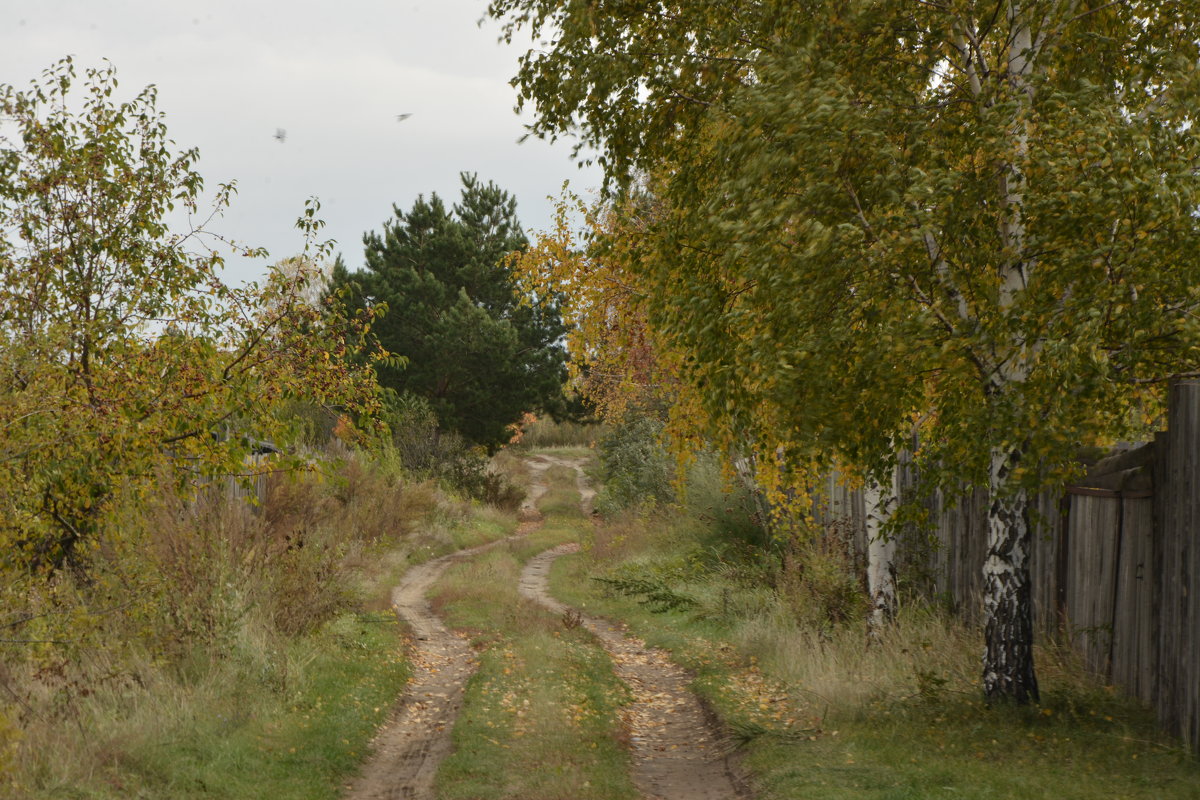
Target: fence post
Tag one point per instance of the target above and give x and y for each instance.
(1061, 556)
(1176, 560)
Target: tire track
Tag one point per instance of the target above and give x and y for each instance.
(409, 748)
(677, 753)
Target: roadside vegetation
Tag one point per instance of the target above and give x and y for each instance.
(541, 716)
(778, 641)
(536, 433)
(205, 493)
(252, 651)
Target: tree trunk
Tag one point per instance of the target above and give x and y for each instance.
(744, 468)
(1007, 604)
(881, 500)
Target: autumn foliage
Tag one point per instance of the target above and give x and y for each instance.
(129, 366)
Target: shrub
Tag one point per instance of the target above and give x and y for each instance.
(821, 581)
(427, 451)
(635, 467)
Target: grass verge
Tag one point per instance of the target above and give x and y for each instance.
(215, 736)
(252, 709)
(540, 718)
(822, 712)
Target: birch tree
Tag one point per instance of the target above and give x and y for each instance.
(881, 500)
(127, 366)
(1001, 195)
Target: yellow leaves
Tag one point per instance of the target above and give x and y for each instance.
(135, 402)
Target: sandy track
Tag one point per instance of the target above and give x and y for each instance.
(677, 753)
(409, 748)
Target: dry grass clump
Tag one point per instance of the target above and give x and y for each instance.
(198, 611)
(511, 466)
(543, 432)
(616, 539)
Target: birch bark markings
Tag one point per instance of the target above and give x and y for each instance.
(881, 500)
(1008, 668)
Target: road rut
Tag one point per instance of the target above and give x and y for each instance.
(677, 753)
(408, 750)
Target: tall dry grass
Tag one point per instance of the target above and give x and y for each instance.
(199, 614)
(799, 615)
(545, 431)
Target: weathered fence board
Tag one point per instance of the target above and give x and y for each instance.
(1133, 652)
(1176, 596)
(1115, 563)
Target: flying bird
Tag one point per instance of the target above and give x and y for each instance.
(402, 117)
(280, 135)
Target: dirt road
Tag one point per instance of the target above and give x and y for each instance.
(408, 750)
(677, 754)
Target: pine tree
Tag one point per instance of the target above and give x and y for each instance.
(479, 352)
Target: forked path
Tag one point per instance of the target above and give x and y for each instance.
(677, 753)
(409, 748)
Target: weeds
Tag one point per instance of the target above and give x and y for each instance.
(820, 709)
(654, 595)
(230, 650)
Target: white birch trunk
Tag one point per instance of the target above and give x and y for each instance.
(743, 467)
(1008, 671)
(881, 500)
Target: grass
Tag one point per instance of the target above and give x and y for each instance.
(237, 730)
(565, 451)
(821, 711)
(546, 432)
(540, 719)
(282, 698)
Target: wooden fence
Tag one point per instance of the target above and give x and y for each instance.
(1115, 565)
(251, 487)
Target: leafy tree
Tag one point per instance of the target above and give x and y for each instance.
(476, 350)
(992, 204)
(126, 365)
(616, 360)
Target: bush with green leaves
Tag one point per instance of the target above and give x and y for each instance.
(127, 364)
(426, 450)
(636, 468)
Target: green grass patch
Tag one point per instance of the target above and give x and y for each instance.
(293, 727)
(560, 504)
(541, 716)
(821, 712)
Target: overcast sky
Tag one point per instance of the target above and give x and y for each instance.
(334, 75)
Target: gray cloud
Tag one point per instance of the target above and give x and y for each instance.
(334, 75)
